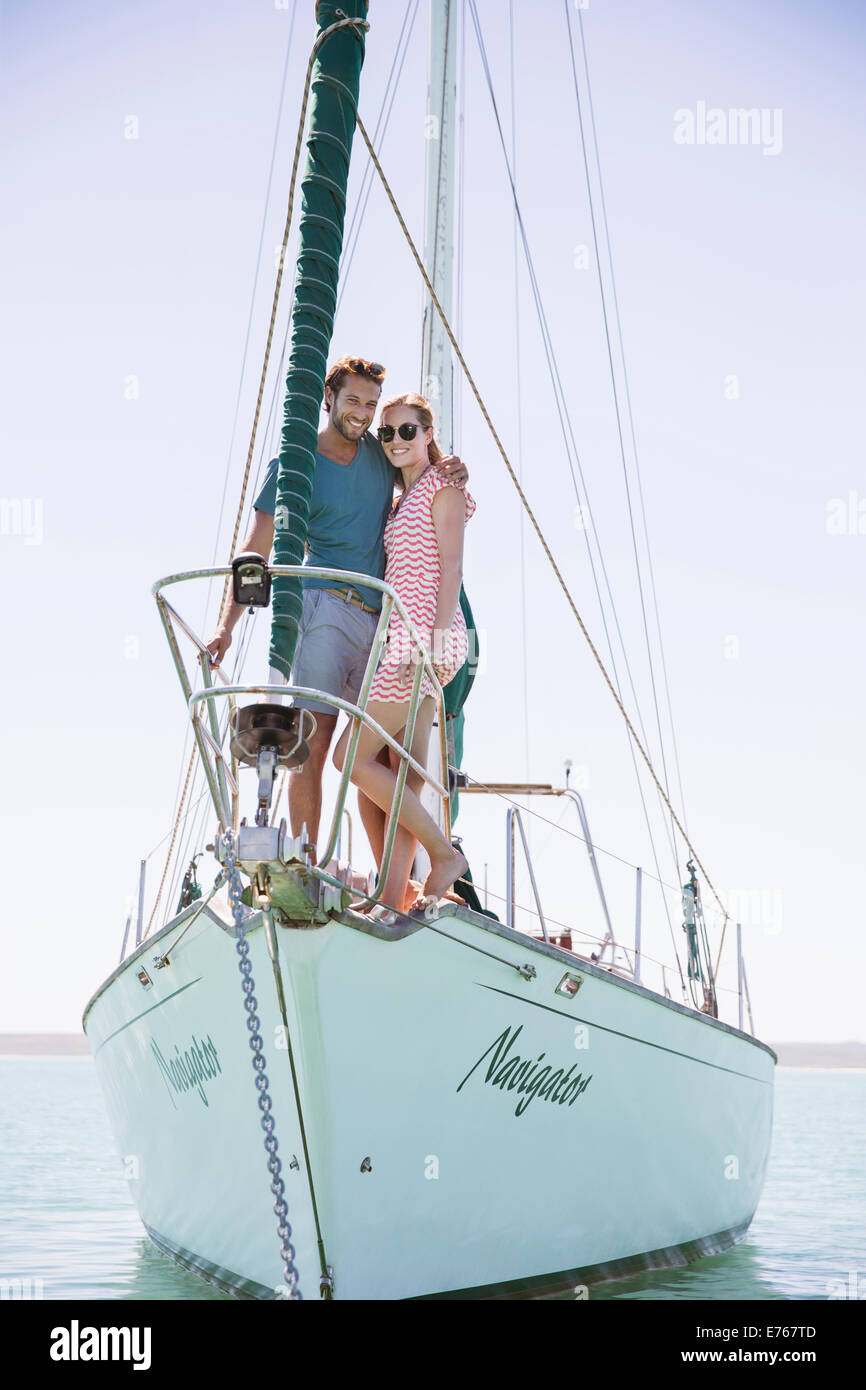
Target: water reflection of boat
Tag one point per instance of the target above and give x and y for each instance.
(415, 1083)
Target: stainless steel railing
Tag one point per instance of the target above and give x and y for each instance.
(220, 766)
(514, 820)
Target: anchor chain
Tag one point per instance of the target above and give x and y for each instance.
(287, 1250)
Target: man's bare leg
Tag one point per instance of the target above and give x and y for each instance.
(305, 785)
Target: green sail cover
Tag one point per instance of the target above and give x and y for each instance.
(456, 693)
(333, 102)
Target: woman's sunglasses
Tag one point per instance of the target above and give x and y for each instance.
(386, 432)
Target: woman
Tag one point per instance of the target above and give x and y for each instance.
(424, 548)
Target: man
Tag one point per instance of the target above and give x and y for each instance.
(353, 490)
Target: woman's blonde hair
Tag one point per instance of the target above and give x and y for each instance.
(425, 417)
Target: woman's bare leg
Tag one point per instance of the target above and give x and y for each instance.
(374, 821)
(396, 887)
(372, 816)
(378, 782)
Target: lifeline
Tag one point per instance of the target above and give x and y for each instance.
(557, 1086)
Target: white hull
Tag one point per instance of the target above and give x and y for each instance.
(660, 1157)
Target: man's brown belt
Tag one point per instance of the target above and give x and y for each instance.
(349, 596)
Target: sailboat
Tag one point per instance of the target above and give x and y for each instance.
(313, 1104)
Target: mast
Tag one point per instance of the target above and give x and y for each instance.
(437, 367)
(333, 104)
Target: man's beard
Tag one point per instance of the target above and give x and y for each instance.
(345, 430)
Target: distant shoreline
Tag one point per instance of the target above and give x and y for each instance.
(832, 1056)
(824, 1056)
(44, 1045)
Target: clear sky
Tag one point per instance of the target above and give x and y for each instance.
(136, 149)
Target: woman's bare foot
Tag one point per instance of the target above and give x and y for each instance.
(416, 891)
(443, 872)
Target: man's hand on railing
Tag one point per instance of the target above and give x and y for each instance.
(218, 645)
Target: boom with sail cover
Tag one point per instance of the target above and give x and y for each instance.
(333, 104)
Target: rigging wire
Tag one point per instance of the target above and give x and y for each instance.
(457, 382)
(240, 654)
(161, 842)
(568, 439)
(182, 860)
(182, 820)
(279, 277)
(173, 838)
(557, 825)
(252, 304)
(243, 643)
(181, 815)
(382, 121)
(618, 413)
(517, 361)
(434, 299)
(562, 408)
(580, 935)
(266, 444)
(270, 427)
(630, 414)
(298, 144)
(471, 380)
(276, 296)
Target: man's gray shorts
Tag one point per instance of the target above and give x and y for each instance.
(334, 641)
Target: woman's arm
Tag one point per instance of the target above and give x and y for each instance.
(449, 523)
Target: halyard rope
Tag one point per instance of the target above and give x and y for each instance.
(477, 394)
(341, 24)
(471, 381)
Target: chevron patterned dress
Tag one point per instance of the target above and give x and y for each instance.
(414, 571)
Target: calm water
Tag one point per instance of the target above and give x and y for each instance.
(66, 1217)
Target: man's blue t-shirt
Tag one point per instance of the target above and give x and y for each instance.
(348, 511)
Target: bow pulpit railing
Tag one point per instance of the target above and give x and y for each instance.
(266, 850)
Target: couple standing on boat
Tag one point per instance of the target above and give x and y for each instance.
(354, 524)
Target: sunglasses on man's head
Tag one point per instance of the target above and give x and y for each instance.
(365, 368)
(386, 432)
